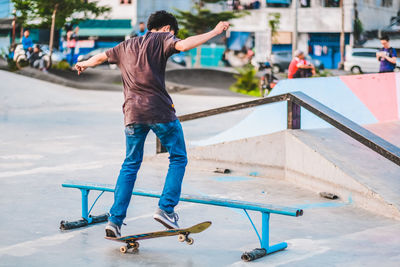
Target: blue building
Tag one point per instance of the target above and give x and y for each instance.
(5, 23)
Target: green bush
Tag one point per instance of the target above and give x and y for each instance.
(62, 65)
(246, 80)
(11, 65)
(322, 73)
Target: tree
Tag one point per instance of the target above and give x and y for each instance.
(201, 19)
(273, 23)
(55, 13)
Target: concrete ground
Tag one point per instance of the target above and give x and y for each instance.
(50, 133)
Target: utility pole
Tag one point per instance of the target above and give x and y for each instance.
(341, 64)
(53, 22)
(13, 26)
(295, 7)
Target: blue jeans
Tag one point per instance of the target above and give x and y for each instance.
(171, 137)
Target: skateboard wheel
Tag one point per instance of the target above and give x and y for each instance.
(190, 241)
(181, 238)
(135, 245)
(123, 249)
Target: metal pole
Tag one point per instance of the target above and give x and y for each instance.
(159, 147)
(85, 194)
(13, 26)
(265, 231)
(53, 22)
(341, 64)
(295, 27)
(293, 115)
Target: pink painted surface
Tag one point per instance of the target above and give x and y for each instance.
(378, 92)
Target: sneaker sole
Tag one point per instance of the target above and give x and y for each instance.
(164, 223)
(111, 233)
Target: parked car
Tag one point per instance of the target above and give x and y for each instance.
(281, 60)
(179, 59)
(361, 60)
(95, 52)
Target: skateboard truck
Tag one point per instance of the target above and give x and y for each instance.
(86, 217)
(131, 245)
(185, 237)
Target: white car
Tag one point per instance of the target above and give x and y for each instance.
(362, 60)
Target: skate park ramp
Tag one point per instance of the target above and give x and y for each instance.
(364, 99)
(318, 156)
(201, 77)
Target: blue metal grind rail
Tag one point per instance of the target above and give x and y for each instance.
(265, 209)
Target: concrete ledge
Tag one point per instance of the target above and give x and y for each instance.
(316, 160)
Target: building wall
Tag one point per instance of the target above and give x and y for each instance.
(318, 18)
(5, 8)
(146, 7)
(373, 16)
(120, 11)
(140, 10)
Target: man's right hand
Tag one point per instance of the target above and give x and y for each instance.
(221, 26)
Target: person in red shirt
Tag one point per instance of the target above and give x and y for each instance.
(300, 67)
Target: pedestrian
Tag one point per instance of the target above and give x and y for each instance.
(72, 39)
(299, 67)
(142, 29)
(387, 56)
(36, 59)
(27, 41)
(148, 106)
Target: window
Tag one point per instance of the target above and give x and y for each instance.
(305, 3)
(125, 2)
(387, 3)
(364, 54)
(330, 3)
(278, 3)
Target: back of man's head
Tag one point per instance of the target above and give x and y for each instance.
(162, 18)
(384, 38)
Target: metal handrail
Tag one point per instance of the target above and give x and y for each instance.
(296, 100)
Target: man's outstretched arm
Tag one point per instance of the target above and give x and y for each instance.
(91, 62)
(194, 41)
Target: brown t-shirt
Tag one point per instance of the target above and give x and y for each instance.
(142, 62)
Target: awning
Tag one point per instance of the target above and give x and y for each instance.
(376, 43)
(104, 32)
(279, 1)
(104, 28)
(6, 24)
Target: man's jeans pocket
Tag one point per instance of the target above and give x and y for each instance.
(130, 129)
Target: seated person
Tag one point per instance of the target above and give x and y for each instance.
(299, 67)
(36, 59)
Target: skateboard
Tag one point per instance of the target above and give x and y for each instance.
(183, 235)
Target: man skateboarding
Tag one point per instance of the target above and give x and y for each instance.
(148, 106)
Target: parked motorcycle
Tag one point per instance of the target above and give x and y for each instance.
(268, 79)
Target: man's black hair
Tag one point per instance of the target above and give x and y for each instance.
(141, 22)
(162, 18)
(385, 37)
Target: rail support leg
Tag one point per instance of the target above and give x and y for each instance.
(86, 218)
(159, 147)
(265, 248)
(293, 115)
(85, 213)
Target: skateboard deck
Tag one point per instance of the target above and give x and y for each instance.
(183, 235)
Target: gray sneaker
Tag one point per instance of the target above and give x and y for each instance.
(113, 230)
(168, 220)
